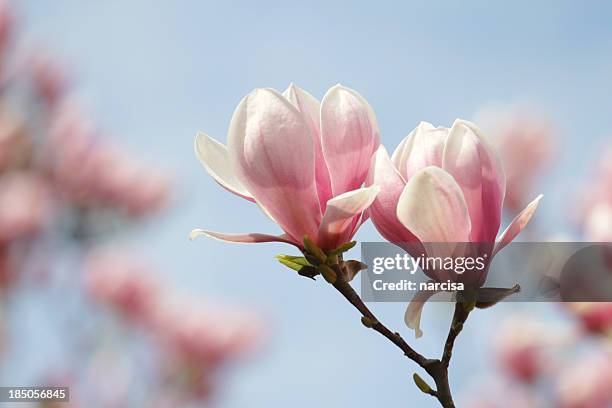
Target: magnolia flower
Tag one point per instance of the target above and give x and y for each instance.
(595, 317)
(25, 205)
(523, 347)
(585, 383)
(204, 333)
(303, 162)
(92, 172)
(443, 186)
(123, 282)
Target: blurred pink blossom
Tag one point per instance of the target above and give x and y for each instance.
(122, 281)
(205, 334)
(95, 173)
(586, 382)
(527, 143)
(48, 77)
(595, 317)
(303, 162)
(7, 22)
(15, 143)
(594, 209)
(24, 205)
(524, 347)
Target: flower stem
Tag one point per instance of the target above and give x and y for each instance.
(437, 369)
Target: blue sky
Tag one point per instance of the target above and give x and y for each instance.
(155, 72)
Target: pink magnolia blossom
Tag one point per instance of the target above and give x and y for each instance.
(15, 141)
(203, 333)
(95, 173)
(595, 317)
(25, 205)
(586, 382)
(523, 347)
(303, 162)
(123, 282)
(443, 186)
(594, 208)
(48, 77)
(7, 22)
(598, 221)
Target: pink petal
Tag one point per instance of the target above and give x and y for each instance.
(470, 159)
(342, 214)
(349, 136)
(433, 208)
(310, 108)
(250, 238)
(384, 209)
(215, 159)
(421, 148)
(517, 225)
(412, 317)
(271, 148)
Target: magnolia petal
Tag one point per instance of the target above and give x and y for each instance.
(472, 161)
(270, 146)
(249, 238)
(421, 148)
(383, 210)
(433, 208)
(349, 136)
(310, 108)
(517, 225)
(342, 213)
(412, 317)
(215, 159)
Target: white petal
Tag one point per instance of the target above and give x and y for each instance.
(248, 238)
(215, 159)
(342, 214)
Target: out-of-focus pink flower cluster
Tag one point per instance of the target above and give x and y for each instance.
(527, 143)
(195, 337)
(64, 187)
(94, 173)
(595, 206)
(544, 363)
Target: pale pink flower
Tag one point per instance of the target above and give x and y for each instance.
(15, 142)
(443, 186)
(48, 77)
(526, 142)
(25, 205)
(595, 317)
(7, 22)
(523, 347)
(598, 222)
(204, 334)
(122, 281)
(303, 162)
(93, 172)
(586, 382)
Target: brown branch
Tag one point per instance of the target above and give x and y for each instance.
(462, 311)
(437, 369)
(349, 294)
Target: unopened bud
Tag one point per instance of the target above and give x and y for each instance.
(368, 322)
(423, 386)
